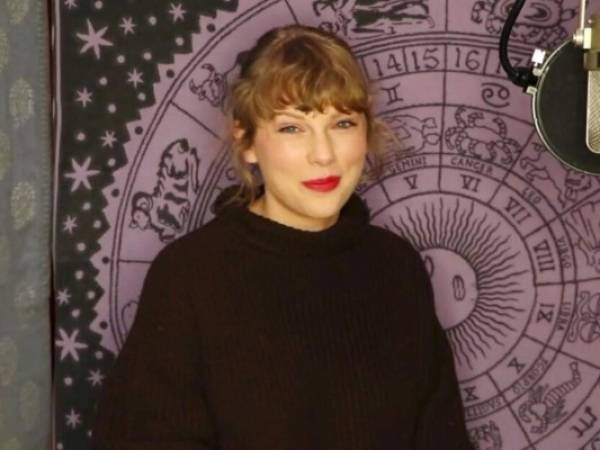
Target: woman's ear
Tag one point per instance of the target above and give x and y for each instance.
(250, 155)
(237, 131)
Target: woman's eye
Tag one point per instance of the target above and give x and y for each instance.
(346, 123)
(288, 129)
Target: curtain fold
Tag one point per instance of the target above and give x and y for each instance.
(25, 199)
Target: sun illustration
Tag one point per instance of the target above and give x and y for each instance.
(480, 272)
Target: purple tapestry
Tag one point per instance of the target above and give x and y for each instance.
(510, 236)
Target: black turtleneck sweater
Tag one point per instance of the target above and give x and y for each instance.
(252, 335)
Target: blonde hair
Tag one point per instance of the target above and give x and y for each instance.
(305, 67)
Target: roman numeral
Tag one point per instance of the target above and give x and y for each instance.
(545, 312)
(514, 363)
(587, 421)
(543, 255)
(412, 181)
(392, 93)
(470, 391)
(517, 211)
(470, 183)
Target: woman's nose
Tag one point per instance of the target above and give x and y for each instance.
(322, 149)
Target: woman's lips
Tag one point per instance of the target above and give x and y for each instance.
(322, 184)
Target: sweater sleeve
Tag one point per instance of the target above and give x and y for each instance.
(441, 424)
(153, 398)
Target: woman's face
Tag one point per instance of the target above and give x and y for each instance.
(295, 147)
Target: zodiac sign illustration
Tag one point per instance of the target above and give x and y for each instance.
(166, 210)
(568, 183)
(412, 132)
(483, 139)
(540, 23)
(586, 322)
(486, 437)
(379, 17)
(585, 224)
(545, 407)
(214, 86)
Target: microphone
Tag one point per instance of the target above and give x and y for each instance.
(589, 39)
(565, 90)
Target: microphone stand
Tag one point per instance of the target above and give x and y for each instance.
(521, 76)
(583, 36)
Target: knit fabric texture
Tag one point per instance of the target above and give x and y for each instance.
(253, 335)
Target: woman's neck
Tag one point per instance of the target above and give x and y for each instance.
(269, 209)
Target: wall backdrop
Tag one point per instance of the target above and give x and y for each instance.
(511, 237)
(25, 219)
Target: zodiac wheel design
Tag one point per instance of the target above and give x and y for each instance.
(508, 234)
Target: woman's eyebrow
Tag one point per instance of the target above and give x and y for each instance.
(299, 116)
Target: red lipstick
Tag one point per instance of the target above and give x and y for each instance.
(322, 184)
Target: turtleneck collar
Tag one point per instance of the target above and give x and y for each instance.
(276, 237)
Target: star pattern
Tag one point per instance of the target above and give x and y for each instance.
(63, 297)
(111, 54)
(69, 224)
(68, 344)
(84, 97)
(134, 77)
(108, 139)
(73, 419)
(127, 25)
(94, 39)
(81, 174)
(177, 12)
(95, 377)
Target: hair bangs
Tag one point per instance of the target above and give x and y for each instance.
(310, 84)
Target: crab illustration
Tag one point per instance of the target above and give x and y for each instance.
(539, 23)
(545, 407)
(475, 136)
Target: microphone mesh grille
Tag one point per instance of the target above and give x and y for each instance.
(593, 111)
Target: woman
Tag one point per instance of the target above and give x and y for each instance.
(288, 322)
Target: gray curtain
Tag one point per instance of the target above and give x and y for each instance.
(25, 198)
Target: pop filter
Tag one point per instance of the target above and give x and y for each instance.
(565, 91)
(559, 108)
